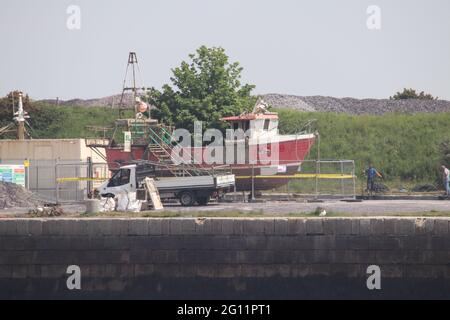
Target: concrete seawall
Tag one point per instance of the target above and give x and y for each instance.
(225, 258)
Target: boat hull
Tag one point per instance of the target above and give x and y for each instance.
(257, 175)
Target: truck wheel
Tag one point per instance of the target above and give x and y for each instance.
(187, 198)
(203, 201)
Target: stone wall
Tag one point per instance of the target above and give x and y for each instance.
(225, 258)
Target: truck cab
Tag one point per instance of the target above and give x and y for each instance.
(123, 180)
(189, 190)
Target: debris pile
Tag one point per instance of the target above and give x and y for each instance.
(321, 212)
(424, 188)
(380, 188)
(14, 195)
(52, 211)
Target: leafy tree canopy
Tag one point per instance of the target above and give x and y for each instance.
(205, 88)
(412, 94)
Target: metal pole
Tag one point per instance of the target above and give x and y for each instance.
(253, 182)
(318, 165)
(342, 180)
(354, 179)
(56, 182)
(20, 130)
(20, 119)
(27, 173)
(134, 59)
(37, 177)
(89, 175)
(234, 187)
(77, 186)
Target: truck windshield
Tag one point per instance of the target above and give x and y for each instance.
(120, 178)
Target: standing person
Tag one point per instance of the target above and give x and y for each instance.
(446, 178)
(371, 174)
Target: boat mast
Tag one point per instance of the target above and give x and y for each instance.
(133, 64)
(20, 119)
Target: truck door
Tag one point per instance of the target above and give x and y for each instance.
(121, 181)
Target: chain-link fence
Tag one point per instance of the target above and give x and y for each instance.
(71, 181)
(309, 179)
(324, 179)
(62, 181)
(75, 180)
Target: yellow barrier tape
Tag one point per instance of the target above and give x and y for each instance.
(294, 176)
(303, 176)
(80, 179)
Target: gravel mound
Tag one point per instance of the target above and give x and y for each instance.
(301, 103)
(109, 101)
(355, 106)
(13, 195)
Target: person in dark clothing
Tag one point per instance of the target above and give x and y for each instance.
(371, 174)
(446, 179)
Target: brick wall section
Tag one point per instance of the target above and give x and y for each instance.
(122, 250)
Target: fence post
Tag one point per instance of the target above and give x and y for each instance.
(318, 165)
(234, 187)
(354, 180)
(317, 178)
(27, 174)
(56, 182)
(77, 174)
(90, 175)
(253, 182)
(37, 176)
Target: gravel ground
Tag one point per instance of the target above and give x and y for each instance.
(274, 208)
(368, 207)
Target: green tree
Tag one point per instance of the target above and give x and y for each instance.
(412, 94)
(206, 88)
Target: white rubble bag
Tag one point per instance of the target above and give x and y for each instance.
(107, 205)
(126, 201)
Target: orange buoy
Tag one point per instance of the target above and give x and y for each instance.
(142, 107)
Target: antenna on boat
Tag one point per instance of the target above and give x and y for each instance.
(19, 119)
(135, 71)
(260, 107)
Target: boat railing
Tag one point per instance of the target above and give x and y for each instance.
(308, 127)
(166, 143)
(97, 142)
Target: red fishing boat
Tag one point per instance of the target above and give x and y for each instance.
(260, 155)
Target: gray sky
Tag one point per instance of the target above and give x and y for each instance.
(320, 47)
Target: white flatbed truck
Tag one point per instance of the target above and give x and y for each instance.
(189, 190)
